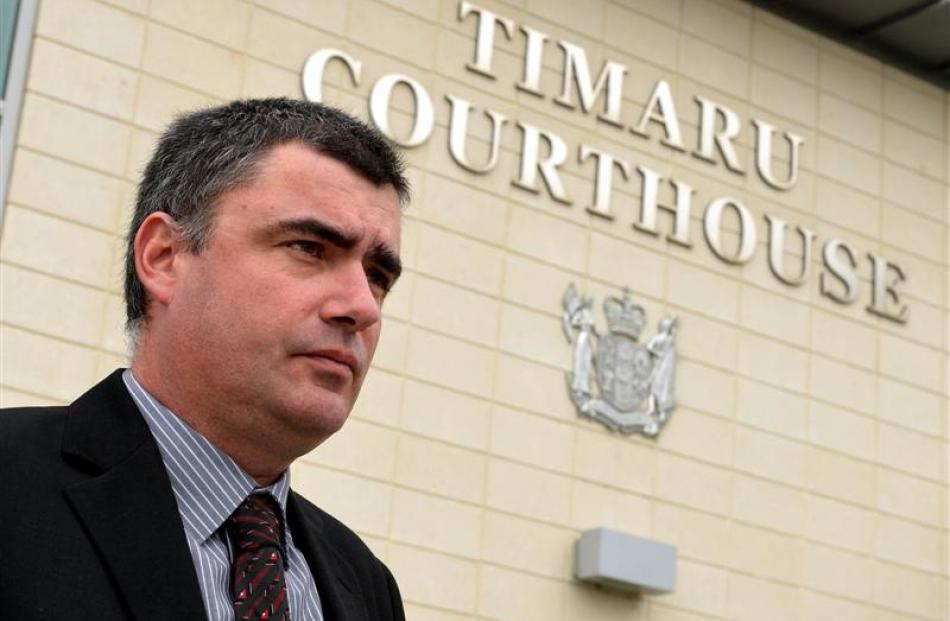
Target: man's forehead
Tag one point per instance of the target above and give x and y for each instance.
(294, 162)
(301, 190)
(296, 157)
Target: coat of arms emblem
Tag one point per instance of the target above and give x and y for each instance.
(635, 381)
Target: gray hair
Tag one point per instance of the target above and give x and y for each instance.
(204, 154)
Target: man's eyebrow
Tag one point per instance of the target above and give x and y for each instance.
(387, 260)
(316, 228)
(383, 256)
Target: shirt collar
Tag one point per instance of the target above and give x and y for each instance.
(208, 484)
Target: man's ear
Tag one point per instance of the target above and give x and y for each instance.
(158, 246)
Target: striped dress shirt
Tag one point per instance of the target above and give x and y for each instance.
(208, 487)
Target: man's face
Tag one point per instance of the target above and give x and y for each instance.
(277, 319)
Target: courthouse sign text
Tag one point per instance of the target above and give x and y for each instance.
(543, 154)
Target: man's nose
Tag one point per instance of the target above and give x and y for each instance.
(350, 302)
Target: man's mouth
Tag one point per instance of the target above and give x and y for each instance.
(341, 358)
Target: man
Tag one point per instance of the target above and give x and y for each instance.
(264, 240)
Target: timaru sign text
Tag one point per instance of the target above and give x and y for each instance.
(543, 153)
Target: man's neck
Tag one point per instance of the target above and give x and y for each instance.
(205, 418)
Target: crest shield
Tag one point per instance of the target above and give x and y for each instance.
(624, 368)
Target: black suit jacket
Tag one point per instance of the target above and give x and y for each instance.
(89, 528)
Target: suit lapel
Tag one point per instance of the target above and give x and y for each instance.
(128, 507)
(334, 577)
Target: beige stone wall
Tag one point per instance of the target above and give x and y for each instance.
(805, 473)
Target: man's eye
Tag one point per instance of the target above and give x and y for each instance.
(381, 280)
(314, 249)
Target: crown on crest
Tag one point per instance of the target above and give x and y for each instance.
(623, 316)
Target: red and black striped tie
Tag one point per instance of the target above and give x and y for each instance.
(258, 590)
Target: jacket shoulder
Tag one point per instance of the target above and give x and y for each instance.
(14, 419)
(31, 427)
(31, 441)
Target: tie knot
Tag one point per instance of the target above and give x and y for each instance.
(255, 523)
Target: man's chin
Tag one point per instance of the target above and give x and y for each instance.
(320, 415)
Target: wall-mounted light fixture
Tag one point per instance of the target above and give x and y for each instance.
(625, 562)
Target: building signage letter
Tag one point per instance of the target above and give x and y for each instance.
(533, 53)
(485, 37)
(841, 269)
(424, 118)
(458, 134)
(777, 251)
(603, 179)
(763, 155)
(315, 66)
(660, 108)
(649, 204)
(531, 162)
(883, 292)
(712, 226)
(577, 71)
(710, 138)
